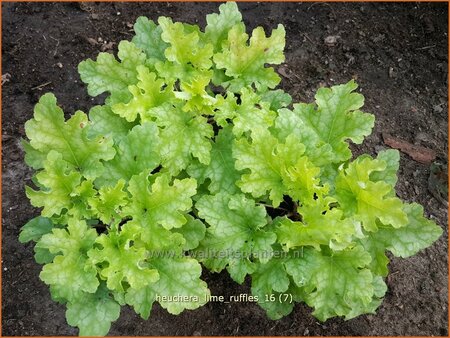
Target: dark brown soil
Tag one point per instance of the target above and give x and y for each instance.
(397, 53)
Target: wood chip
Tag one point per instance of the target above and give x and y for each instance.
(107, 46)
(5, 78)
(283, 71)
(92, 41)
(416, 152)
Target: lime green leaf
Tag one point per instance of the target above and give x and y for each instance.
(268, 282)
(406, 241)
(35, 229)
(76, 239)
(193, 231)
(260, 157)
(179, 287)
(60, 182)
(157, 210)
(126, 262)
(182, 136)
(336, 284)
(290, 123)
(119, 297)
(379, 286)
(388, 175)
(220, 171)
(148, 38)
(147, 93)
(235, 233)
(320, 225)
(80, 197)
(217, 29)
(302, 180)
(42, 255)
(181, 277)
(59, 294)
(226, 107)
(377, 249)
(240, 267)
(277, 99)
(48, 131)
(261, 244)
(218, 25)
(107, 124)
(106, 74)
(72, 274)
(187, 55)
(338, 118)
(172, 72)
(70, 269)
(108, 202)
(194, 92)
(418, 234)
(379, 290)
(252, 114)
(34, 158)
(185, 45)
(328, 124)
(133, 155)
(245, 62)
(369, 201)
(166, 201)
(268, 160)
(93, 313)
(141, 300)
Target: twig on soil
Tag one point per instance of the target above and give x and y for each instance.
(388, 278)
(426, 47)
(126, 33)
(41, 85)
(57, 44)
(309, 39)
(17, 278)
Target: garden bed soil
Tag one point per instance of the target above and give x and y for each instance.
(396, 52)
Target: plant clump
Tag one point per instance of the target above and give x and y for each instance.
(196, 160)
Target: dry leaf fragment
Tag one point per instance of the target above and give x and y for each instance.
(416, 152)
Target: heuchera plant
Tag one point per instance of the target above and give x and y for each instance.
(195, 159)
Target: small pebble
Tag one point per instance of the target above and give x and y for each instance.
(92, 41)
(438, 109)
(331, 40)
(15, 156)
(392, 73)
